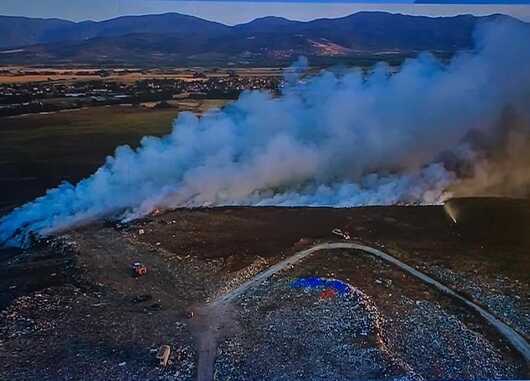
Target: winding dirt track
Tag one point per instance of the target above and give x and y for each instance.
(205, 365)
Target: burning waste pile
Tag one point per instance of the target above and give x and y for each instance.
(334, 139)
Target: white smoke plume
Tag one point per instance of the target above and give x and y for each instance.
(328, 140)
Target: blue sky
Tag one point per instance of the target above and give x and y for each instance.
(233, 12)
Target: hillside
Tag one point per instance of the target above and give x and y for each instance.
(18, 31)
(174, 39)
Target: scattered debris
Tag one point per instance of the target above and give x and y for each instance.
(163, 355)
(141, 232)
(346, 329)
(425, 332)
(328, 293)
(341, 234)
(139, 269)
(498, 293)
(141, 298)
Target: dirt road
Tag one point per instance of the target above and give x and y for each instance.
(217, 308)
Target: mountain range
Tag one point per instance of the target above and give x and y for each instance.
(177, 39)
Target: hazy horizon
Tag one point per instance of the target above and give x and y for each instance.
(235, 12)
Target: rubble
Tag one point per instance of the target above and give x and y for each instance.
(438, 345)
(138, 269)
(421, 341)
(341, 234)
(306, 337)
(163, 355)
(506, 298)
(63, 245)
(21, 318)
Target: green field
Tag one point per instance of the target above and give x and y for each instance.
(40, 151)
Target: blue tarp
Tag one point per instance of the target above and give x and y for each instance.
(317, 282)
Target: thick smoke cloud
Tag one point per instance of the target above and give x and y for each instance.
(498, 164)
(336, 140)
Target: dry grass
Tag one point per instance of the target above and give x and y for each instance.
(118, 75)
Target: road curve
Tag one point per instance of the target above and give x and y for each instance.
(515, 339)
(207, 354)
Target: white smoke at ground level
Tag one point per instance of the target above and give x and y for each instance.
(329, 140)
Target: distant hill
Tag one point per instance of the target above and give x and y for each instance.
(18, 31)
(175, 39)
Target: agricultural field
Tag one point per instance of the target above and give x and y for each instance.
(24, 74)
(39, 151)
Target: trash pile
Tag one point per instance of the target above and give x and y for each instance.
(289, 333)
(438, 345)
(505, 297)
(21, 317)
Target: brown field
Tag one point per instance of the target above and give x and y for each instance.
(18, 75)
